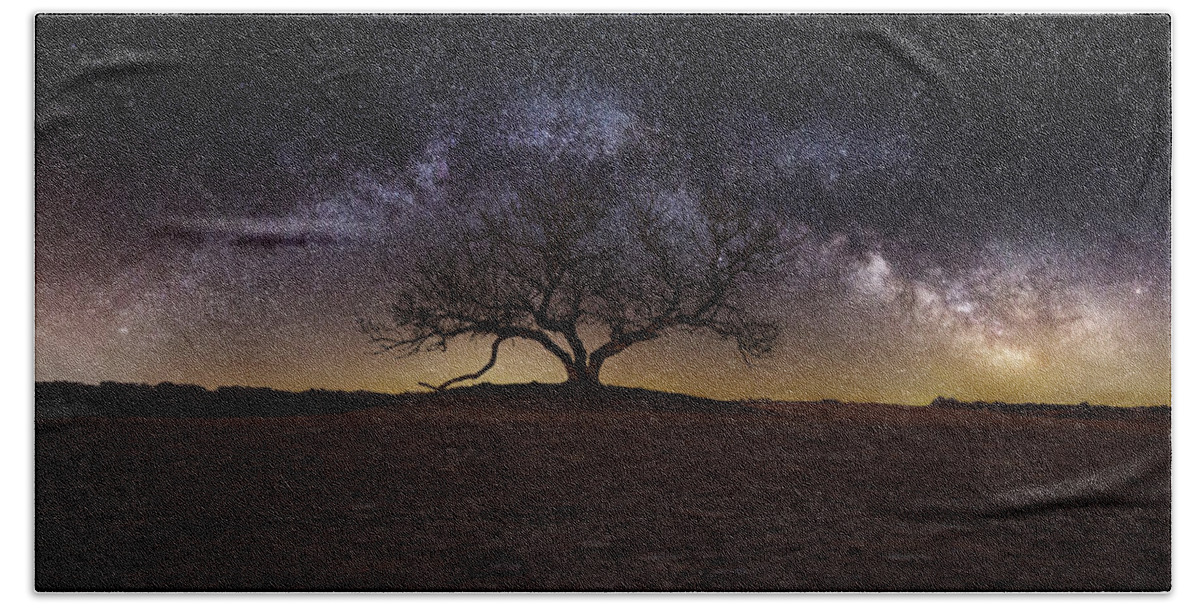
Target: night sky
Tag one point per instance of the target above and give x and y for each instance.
(984, 202)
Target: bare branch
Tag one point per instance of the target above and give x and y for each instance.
(472, 376)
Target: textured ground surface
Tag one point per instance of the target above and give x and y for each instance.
(477, 492)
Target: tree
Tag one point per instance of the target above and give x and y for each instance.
(546, 265)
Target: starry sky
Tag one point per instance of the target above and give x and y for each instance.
(984, 202)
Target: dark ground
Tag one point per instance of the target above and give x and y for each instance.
(628, 490)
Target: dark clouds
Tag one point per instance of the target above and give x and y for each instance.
(926, 144)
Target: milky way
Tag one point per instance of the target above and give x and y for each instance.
(980, 205)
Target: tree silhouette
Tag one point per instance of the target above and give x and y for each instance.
(566, 235)
(547, 265)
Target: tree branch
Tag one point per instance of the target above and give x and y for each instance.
(491, 362)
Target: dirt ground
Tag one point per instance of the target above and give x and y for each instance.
(478, 494)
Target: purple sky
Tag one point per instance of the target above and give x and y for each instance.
(985, 200)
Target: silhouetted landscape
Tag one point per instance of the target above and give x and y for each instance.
(547, 487)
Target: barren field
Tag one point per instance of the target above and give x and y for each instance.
(503, 492)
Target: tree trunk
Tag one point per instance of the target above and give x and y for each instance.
(582, 375)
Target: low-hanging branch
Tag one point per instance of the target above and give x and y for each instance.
(472, 376)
